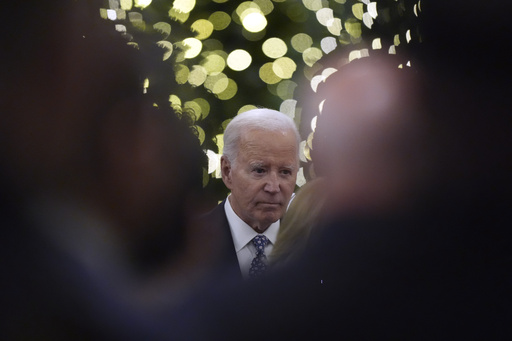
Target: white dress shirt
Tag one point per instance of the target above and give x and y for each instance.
(242, 235)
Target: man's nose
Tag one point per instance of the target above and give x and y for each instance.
(272, 183)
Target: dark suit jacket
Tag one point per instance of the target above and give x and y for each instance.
(215, 224)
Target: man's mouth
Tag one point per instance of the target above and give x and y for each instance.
(270, 203)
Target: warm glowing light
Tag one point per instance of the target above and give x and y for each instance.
(142, 3)
(181, 73)
(372, 9)
(312, 55)
(245, 108)
(213, 161)
(313, 123)
(178, 15)
(201, 136)
(111, 14)
(302, 146)
(184, 6)
(396, 40)
(239, 60)
(203, 28)
(197, 76)
(192, 46)
(268, 75)
(358, 10)
(174, 100)
(334, 26)
(126, 4)
(204, 105)
(358, 54)
(284, 67)
(313, 5)
(376, 44)
(286, 89)
(229, 92)
(194, 109)
(367, 20)
(216, 83)
(274, 48)
(301, 42)
(254, 21)
(164, 28)
(328, 44)
(324, 16)
(288, 107)
(266, 6)
(213, 63)
(167, 47)
(220, 20)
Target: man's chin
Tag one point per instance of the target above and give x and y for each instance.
(269, 219)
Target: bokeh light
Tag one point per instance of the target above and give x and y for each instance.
(254, 21)
(192, 47)
(167, 46)
(142, 3)
(219, 58)
(203, 28)
(183, 6)
(213, 62)
(284, 67)
(239, 60)
(220, 20)
(274, 47)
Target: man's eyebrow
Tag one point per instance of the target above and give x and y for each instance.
(289, 166)
(256, 164)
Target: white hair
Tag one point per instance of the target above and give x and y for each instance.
(259, 119)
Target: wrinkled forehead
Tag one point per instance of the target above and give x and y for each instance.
(268, 138)
(269, 144)
(256, 134)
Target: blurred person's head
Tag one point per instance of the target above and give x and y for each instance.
(260, 164)
(63, 69)
(368, 141)
(301, 218)
(75, 122)
(150, 180)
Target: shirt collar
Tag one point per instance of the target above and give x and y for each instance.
(242, 233)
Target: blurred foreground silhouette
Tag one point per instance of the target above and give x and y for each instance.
(97, 184)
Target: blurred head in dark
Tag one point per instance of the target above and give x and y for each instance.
(75, 124)
(369, 139)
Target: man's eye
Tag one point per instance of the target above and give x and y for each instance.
(286, 172)
(259, 170)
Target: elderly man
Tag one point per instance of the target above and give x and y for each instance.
(259, 166)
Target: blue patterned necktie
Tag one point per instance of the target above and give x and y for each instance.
(258, 266)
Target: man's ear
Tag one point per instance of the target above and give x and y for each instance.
(225, 168)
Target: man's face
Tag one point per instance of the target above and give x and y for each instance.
(263, 178)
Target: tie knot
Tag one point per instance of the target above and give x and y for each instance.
(260, 241)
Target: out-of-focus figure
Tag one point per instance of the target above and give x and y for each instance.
(95, 181)
(304, 214)
(369, 141)
(369, 149)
